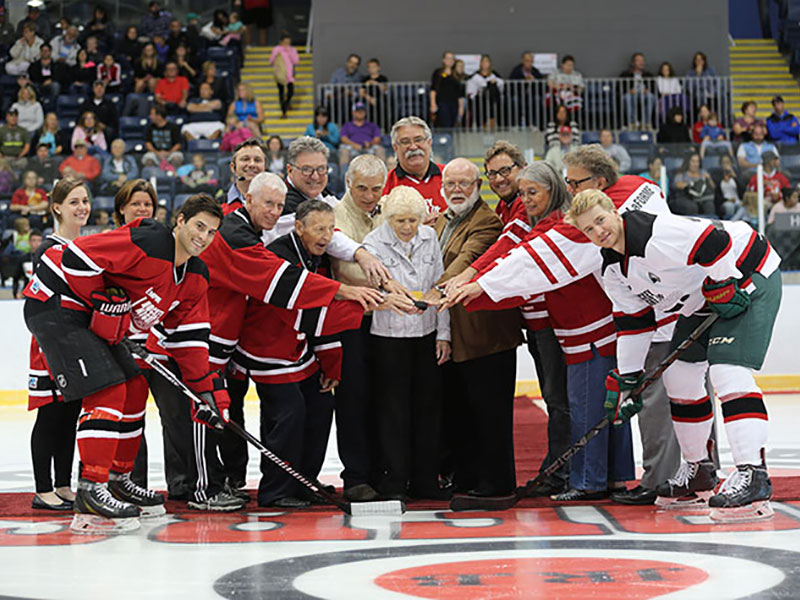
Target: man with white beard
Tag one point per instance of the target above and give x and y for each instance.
(480, 377)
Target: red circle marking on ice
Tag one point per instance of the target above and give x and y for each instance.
(552, 578)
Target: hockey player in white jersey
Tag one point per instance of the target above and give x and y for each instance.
(690, 266)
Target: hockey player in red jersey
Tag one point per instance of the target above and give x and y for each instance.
(81, 303)
(690, 267)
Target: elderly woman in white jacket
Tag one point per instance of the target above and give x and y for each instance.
(407, 352)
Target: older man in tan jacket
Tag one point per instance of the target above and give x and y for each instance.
(480, 379)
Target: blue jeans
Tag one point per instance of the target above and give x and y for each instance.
(645, 100)
(609, 456)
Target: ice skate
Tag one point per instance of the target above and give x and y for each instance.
(744, 496)
(97, 512)
(150, 503)
(690, 488)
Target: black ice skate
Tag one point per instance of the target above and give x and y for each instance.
(744, 496)
(689, 489)
(98, 512)
(150, 503)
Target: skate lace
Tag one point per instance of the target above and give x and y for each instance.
(737, 483)
(685, 473)
(133, 488)
(105, 495)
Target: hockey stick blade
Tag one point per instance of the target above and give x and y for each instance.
(385, 508)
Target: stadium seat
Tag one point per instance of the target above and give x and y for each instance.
(638, 163)
(69, 107)
(711, 161)
(638, 138)
(176, 119)
(203, 146)
(177, 202)
(442, 146)
(103, 203)
(673, 163)
(133, 146)
(67, 123)
(590, 137)
(132, 128)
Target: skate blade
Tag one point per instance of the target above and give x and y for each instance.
(757, 511)
(85, 524)
(152, 512)
(694, 503)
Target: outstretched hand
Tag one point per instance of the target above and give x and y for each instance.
(368, 298)
(464, 295)
(377, 274)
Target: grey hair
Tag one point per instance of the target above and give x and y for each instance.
(595, 160)
(305, 144)
(545, 174)
(411, 121)
(365, 165)
(404, 200)
(267, 181)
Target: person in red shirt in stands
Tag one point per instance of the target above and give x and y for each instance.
(172, 90)
(80, 164)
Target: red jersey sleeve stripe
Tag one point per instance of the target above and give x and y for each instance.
(538, 260)
(560, 254)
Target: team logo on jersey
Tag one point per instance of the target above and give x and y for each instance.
(61, 380)
(654, 278)
(33, 383)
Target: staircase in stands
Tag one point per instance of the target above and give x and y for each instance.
(759, 72)
(258, 73)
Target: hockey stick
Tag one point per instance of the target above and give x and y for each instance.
(462, 502)
(356, 509)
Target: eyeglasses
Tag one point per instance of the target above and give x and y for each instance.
(464, 185)
(417, 141)
(502, 172)
(309, 171)
(577, 182)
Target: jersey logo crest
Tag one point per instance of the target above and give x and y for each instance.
(654, 278)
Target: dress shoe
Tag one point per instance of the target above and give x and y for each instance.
(639, 495)
(543, 489)
(573, 495)
(290, 502)
(430, 494)
(63, 505)
(363, 492)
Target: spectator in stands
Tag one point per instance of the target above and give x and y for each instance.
(104, 109)
(176, 36)
(118, 168)
(47, 74)
(100, 27)
(373, 93)
(694, 187)
(65, 46)
(674, 130)
(257, 14)
(185, 61)
(80, 164)
(743, 126)
(774, 180)
(235, 134)
(233, 31)
(162, 138)
(653, 173)
(788, 204)
(161, 215)
(25, 50)
(14, 140)
(524, 71)
(447, 94)
(276, 156)
(155, 21)
(324, 129)
(247, 109)
(31, 115)
(172, 90)
(7, 33)
(566, 143)
(51, 134)
(283, 58)
(359, 136)
(200, 177)
(406, 349)
(782, 125)
(30, 201)
(730, 203)
(702, 120)
(83, 73)
(215, 28)
(147, 70)
(92, 132)
(38, 19)
(209, 76)
(566, 84)
(700, 81)
(484, 89)
(670, 91)
(93, 50)
(349, 72)
(615, 151)
(7, 176)
(562, 119)
(162, 50)
(129, 46)
(45, 166)
(110, 72)
(210, 110)
(714, 137)
(639, 97)
(750, 153)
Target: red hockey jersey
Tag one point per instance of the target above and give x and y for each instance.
(430, 186)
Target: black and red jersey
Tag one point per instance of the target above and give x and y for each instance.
(169, 302)
(430, 186)
(240, 267)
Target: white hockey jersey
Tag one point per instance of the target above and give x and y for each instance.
(667, 258)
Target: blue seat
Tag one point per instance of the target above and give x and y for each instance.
(133, 146)
(177, 201)
(638, 163)
(67, 123)
(203, 146)
(711, 161)
(69, 107)
(639, 138)
(590, 137)
(673, 163)
(176, 119)
(132, 128)
(103, 203)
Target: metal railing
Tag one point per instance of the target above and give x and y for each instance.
(596, 104)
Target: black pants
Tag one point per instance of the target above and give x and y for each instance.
(354, 414)
(484, 445)
(295, 425)
(408, 411)
(53, 443)
(205, 475)
(232, 448)
(551, 369)
(285, 96)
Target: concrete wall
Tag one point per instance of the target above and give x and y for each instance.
(410, 36)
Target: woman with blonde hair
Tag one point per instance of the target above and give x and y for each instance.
(31, 115)
(247, 109)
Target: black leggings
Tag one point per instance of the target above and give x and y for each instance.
(287, 97)
(53, 442)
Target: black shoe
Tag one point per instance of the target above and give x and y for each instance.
(290, 502)
(573, 495)
(236, 492)
(432, 494)
(222, 501)
(639, 495)
(41, 504)
(331, 489)
(544, 489)
(363, 492)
